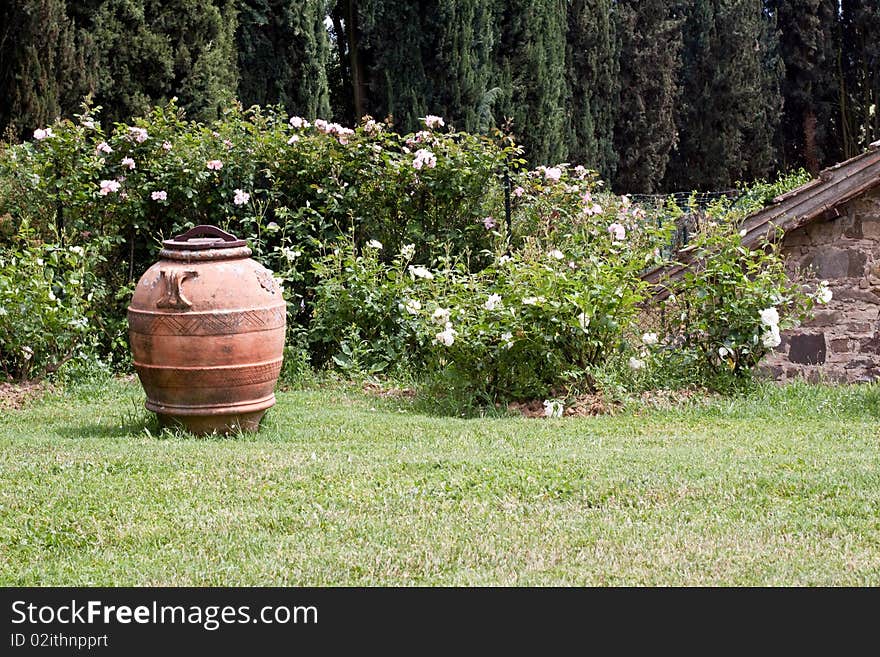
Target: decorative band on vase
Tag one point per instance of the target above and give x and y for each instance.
(211, 410)
(218, 322)
(226, 376)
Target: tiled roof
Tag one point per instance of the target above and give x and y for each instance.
(820, 198)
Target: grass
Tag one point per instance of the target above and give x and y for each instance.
(777, 488)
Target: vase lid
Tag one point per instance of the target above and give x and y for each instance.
(202, 238)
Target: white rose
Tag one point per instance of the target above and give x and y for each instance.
(771, 337)
(493, 302)
(770, 316)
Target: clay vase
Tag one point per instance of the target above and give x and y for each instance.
(207, 326)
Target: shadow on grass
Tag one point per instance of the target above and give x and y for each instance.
(148, 427)
(129, 429)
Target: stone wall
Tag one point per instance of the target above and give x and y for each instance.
(842, 342)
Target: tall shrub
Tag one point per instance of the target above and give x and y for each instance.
(283, 51)
(731, 98)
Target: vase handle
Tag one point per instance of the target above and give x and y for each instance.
(206, 230)
(174, 296)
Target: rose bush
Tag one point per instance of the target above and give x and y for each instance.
(725, 313)
(395, 251)
(47, 295)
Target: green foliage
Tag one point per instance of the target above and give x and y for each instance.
(147, 51)
(392, 250)
(731, 99)
(401, 61)
(809, 35)
(650, 39)
(290, 187)
(592, 67)
(529, 325)
(531, 66)
(362, 321)
(48, 295)
(727, 310)
(860, 57)
(283, 52)
(761, 193)
(542, 316)
(45, 67)
(703, 82)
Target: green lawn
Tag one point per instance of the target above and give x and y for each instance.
(781, 487)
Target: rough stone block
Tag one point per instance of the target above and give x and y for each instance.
(870, 345)
(839, 345)
(852, 227)
(857, 262)
(871, 227)
(849, 293)
(824, 318)
(857, 328)
(824, 232)
(797, 238)
(807, 348)
(834, 263)
(863, 366)
(834, 375)
(858, 314)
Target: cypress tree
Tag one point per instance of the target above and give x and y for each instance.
(731, 99)
(205, 69)
(592, 70)
(283, 50)
(472, 61)
(392, 47)
(810, 48)
(860, 64)
(530, 61)
(650, 38)
(150, 50)
(396, 59)
(44, 70)
(461, 80)
(347, 71)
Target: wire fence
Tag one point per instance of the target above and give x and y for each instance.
(685, 199)
(691, 204)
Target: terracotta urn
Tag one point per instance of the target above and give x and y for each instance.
(207, 326)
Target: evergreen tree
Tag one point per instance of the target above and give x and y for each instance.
(593, 85)
(731, 99)
(151, 50)
(461, 80)
(205, 68)
(810, 47)
(283, 51)
(44, 69)
(395, 56)
(396, 59)
(860, 63)
(650, 57)
(530, 62)
(347, 72)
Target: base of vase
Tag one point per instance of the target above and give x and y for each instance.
(204, 425)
